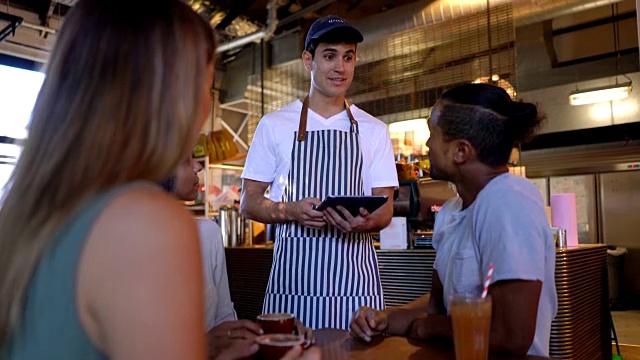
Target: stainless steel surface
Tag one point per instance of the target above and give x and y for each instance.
(620, 204)
(419, 200)
(432, 195)
(584, 159)
(228, 225)
(236, 229)
(562, 238)
(403, 203)
(616, 167)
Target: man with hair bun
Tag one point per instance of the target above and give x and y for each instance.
(496, 218)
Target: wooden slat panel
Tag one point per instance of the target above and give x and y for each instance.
(248, 271)
(581, 329)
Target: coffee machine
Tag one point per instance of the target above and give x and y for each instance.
(419, 200)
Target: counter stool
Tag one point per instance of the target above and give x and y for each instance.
(615, 339)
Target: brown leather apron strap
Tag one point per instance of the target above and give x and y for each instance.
(302, 126)
(349, 114)
(354, 123)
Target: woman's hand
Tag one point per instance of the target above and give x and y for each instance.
(233, 339)
(312, 353)
(307, 332)
(238, 349)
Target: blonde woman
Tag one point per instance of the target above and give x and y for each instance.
(226, 334)
(95, 260)
(89, 266)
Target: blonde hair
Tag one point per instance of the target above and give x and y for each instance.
(119, 103)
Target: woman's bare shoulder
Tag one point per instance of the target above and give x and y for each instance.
(142, 259)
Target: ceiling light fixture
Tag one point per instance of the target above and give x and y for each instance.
(600, 94)
(618, 91)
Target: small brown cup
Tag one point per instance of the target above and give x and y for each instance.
(276, 323)
(275, 346)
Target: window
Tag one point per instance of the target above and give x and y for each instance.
(18, 91)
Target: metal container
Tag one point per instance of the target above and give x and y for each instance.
(562, 239)
(236, 230)
(228, 225)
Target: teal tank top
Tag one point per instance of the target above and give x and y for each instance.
(50, 326)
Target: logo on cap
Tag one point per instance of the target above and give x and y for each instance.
(329, 23)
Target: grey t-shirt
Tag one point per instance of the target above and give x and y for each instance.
(217, 299)
(506, 225)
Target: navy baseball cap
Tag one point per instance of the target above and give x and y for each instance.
(330, 23)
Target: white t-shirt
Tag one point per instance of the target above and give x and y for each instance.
(269, 157)
(506, 225)
(217, 300)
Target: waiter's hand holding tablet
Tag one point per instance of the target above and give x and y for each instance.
(350, 213)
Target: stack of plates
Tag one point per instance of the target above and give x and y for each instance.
(582, 328)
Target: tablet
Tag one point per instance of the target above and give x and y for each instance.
(353, 203)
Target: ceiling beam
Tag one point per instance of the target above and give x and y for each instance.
(354, 5)
(41, 7)
(10, 29)
(300, 13)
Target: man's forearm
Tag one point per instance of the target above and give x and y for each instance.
(401, 317)
(261, 209)
(433, 326)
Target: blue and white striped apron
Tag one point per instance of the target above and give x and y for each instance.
(323, 275)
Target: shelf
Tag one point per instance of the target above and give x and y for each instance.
(231, 159)
(224, 166)
(196, 207)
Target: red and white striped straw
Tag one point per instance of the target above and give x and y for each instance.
(485, 290)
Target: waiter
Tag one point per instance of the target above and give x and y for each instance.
(324, 266)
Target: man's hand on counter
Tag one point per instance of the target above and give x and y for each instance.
(368, 322)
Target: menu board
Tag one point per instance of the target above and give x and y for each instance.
(582, 186)
(543, 186)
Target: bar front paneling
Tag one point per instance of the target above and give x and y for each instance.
(405, 275)
(581, 329)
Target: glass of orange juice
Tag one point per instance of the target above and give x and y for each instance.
(471, 319)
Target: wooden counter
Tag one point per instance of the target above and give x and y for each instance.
(581, 330)
(338, 345)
